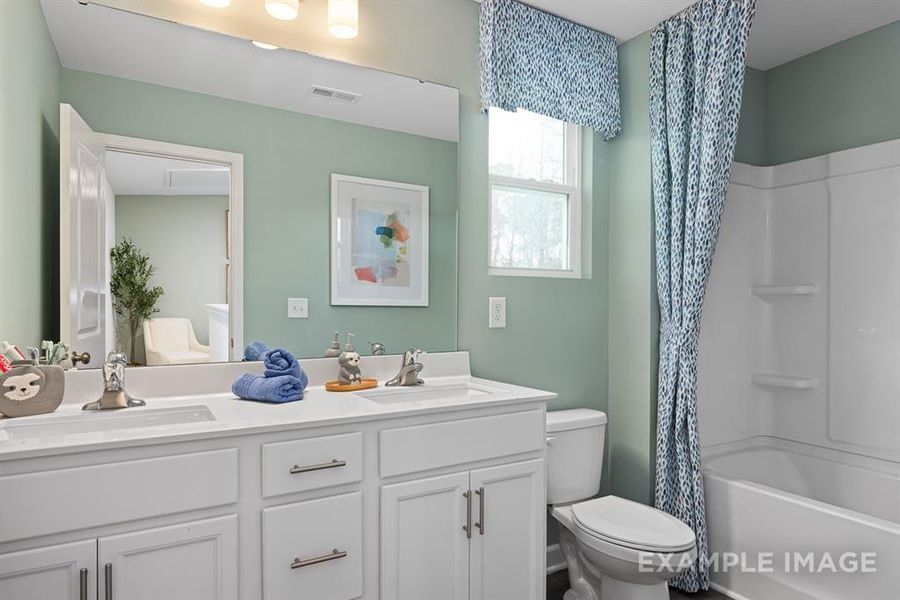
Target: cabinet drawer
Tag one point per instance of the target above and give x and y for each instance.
(422, 447)
(68, 499)
(314, 549)
(309, 464)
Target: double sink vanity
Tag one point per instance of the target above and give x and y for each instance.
(434, 491)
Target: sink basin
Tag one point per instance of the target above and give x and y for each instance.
(461, 391)
(113, 421)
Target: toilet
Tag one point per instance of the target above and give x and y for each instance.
(615, 549)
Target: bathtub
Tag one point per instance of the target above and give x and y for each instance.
(771, 502)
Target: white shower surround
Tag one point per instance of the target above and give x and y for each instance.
(799, 384)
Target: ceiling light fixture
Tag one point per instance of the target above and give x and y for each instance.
(264, 45)
(343, 18)
(286, 10)
(217, 3)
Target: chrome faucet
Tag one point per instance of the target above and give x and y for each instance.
(409, 369)
(377, 348)
(114, 394)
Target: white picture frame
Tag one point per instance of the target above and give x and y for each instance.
(379, 242)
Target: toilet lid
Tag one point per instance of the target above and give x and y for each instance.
(626, 523)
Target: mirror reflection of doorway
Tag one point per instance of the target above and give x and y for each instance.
(174, 212)
(151, 263)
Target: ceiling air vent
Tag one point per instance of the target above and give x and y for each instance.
(320, 91)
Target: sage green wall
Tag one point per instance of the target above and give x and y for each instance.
(29, 175)
(288, 160)
(185, 238)
(750, 146)
(843, 96)
(633, 314)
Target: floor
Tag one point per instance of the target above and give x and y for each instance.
(558, 583)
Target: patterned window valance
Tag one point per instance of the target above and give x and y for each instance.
(536, 61)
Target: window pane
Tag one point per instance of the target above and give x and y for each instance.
(529, 229)
(527, 146)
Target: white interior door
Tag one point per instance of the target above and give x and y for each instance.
(424, 550)
(83, 251)
(508, 539)
(65, 571)
(190, 561)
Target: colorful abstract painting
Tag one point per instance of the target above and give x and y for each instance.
(379, 242)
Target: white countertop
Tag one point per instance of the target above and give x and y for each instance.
(234, 416)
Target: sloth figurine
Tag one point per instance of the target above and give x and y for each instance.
(349, 368)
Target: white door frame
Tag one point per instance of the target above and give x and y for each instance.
(235, 164)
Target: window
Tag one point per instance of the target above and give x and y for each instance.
(535, 195)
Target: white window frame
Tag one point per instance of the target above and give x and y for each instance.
(572, 192)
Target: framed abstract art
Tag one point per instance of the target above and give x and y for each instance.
(379, 242)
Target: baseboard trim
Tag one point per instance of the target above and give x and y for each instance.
(726, 592)
(555, 560)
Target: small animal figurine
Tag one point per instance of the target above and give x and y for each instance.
(30, 390)
(349, 368)
(348, 361)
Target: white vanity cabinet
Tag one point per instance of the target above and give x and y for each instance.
(430, 503)
(476, 535)
(63, 571)
(195, 560)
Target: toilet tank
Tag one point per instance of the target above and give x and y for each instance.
(574, 454)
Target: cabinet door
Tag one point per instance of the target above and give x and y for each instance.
(64, 572)
(424, 549)
(313, 549)
(190, 561)
(508, 541)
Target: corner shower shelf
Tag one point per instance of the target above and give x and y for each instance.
(784, 382)
(775, 293)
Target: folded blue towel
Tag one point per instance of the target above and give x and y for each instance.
(285, 388)
(255, 350)
(281, 362)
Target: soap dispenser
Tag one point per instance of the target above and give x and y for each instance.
(334, 350)
(348, 362)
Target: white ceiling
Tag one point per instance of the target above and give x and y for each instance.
(142, 175)
(622, 19)
(787, 29)
(102, 40)
(782, 30)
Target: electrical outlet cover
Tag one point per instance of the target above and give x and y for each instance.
(497, 312)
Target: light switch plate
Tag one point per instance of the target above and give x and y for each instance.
(298, 308)
(497, 312)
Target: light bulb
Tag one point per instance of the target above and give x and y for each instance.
(264, 45)
(343, 18)
(286, 10)
(217, 3)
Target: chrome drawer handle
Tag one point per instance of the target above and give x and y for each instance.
(468, 526)
(83, 585)
(480, 522)
(107, 576)
(320, 467)
(333, 555)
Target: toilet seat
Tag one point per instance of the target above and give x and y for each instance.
(632, 525)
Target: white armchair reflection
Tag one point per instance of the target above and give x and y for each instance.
(171, 341)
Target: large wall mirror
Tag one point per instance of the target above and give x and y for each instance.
(215, 191)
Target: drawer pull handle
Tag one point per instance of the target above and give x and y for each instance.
(333, 555)
(83, 585)
(480, 523)
(468, 526)
(107, 575)
(320, 467)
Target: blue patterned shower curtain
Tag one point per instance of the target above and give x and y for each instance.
(696, 78)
